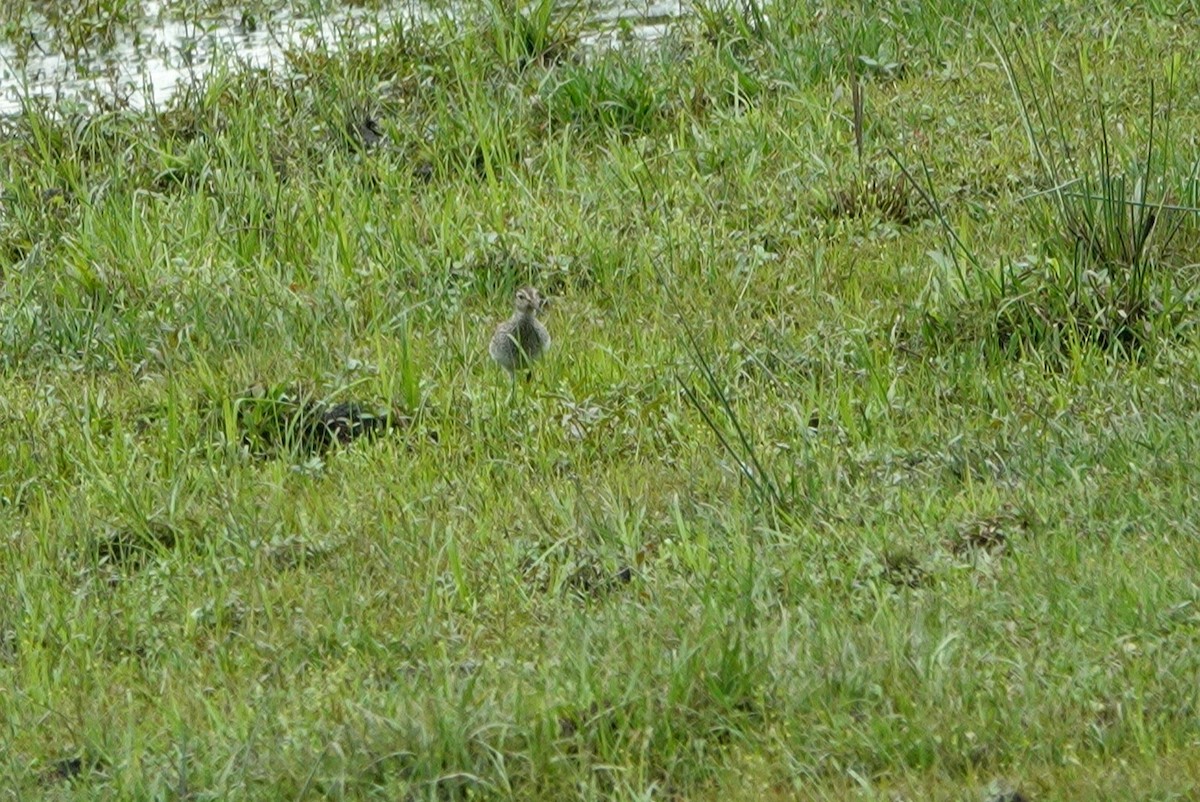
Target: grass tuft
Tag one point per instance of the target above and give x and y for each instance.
(609, 96)
(524, 33)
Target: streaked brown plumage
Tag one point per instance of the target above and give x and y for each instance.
(522, 339)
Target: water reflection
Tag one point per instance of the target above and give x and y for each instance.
(148, 63)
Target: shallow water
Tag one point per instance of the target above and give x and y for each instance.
(144, 65)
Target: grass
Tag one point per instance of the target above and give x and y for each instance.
(827, 489)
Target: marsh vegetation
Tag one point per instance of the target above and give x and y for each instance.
(862, 467)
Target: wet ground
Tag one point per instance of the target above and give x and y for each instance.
(143, 62)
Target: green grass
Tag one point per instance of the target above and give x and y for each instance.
(829, 488)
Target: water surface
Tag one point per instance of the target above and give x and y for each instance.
(145, 62)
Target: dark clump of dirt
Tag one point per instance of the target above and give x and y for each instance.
(344, 422)
(888, 196)
(291, 420)
(1006, 795)
(423, 171)
(69, 768)
(903, 569)
(364, 131)
(588, 575)
(572, 722)
(590, 580)
(992, 534)
(131, 546)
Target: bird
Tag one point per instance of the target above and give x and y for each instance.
(522, 339)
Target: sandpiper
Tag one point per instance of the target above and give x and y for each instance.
(522, 339)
